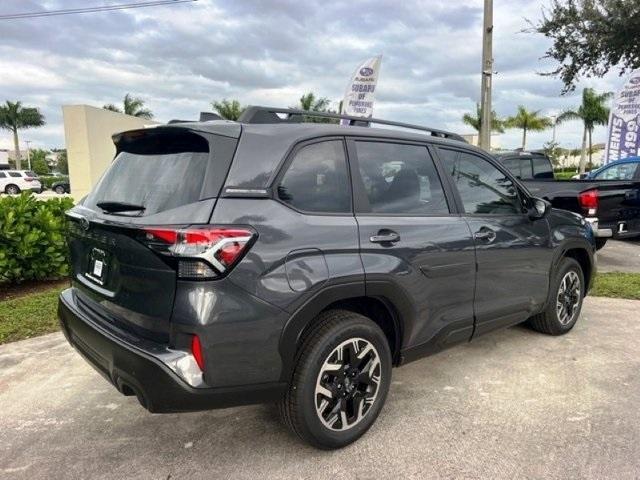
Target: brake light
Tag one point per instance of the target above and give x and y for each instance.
(208, 251)
(28, 179)
(589, 201)
(196, 351)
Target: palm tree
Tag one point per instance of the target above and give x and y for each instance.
(592, 112)
(527, 121)
(312, 103)
(14, 117)
(133, 106)
(474, 120)
(229, 109)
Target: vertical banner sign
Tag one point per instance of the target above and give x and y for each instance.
(360, 94)
(624, 138)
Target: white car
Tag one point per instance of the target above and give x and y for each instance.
(15, 181)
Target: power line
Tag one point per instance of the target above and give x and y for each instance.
(104, 8)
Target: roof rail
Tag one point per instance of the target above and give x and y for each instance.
(256, 114)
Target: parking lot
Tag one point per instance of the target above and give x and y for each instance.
(513, 404)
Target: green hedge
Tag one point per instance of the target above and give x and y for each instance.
(32, 240)
(48, 180)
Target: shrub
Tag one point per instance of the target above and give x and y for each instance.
(48, 180)
(32, 240)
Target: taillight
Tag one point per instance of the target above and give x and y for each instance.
(29, 179)
(196, 351)
(205, 252)
(589, 201)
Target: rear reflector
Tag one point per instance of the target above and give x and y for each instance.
(208, 251)
(589, 201)
(196, 351)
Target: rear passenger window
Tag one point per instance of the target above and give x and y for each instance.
(542, 168)
(514, 165)
(317, 179)
(15, 174)
(482, 187)
(400, 179)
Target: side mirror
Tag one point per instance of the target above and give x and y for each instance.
(538, 208)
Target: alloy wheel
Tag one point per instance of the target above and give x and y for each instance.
(568, 299)
(348, 384)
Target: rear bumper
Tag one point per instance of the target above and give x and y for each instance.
(597, 231)
(138, 370)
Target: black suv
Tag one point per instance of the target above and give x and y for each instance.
(221, 263)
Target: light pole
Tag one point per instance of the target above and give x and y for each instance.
(484, 140)
(554, 119)
(28, 142)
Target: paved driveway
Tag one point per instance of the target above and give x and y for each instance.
(515, 404)
(617, 256)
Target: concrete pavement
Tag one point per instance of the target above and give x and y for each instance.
(514, 404)
(618, 256)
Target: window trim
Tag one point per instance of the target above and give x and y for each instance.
(284, 167)
(523, 194)
(361, 205)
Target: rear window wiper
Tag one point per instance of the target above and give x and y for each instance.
(112, 207)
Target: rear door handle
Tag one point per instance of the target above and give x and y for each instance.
(485, 234)
(385, 236)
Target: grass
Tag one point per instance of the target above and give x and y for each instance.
(617, 285)
(34, 313)
(29, 315)
(564, 175)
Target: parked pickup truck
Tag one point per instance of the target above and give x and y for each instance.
(611, 206)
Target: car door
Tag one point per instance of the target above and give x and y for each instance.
(415, 250)
(513, 252)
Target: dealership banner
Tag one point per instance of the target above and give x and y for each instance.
(360, 94)
(624, 138)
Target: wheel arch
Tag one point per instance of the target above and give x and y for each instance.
(582, 252)
(379, 309)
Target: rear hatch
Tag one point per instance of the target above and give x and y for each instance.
(165, 177)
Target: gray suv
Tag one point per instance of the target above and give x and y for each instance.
(274, 259)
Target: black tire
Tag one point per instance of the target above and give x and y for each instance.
(600, 242)
(333, 329)
(554, 321)
(12, 189)
(60, 190)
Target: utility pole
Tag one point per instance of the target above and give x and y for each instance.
(28, 142)
(484, 140)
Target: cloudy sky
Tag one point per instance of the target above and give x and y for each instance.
(179, 58)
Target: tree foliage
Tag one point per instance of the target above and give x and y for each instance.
(314, 103)
(590, 37)
(38, 159)
(15, 117)
(228, 109)
(133, 106)
(527, 120)
(592, 111)
(497, 125)
(63, 162)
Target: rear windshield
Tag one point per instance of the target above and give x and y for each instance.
(29, 173)
(154, 175)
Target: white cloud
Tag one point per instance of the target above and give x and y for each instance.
(180, 58)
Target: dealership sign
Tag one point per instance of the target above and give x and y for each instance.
(624, 138)
(360, 94)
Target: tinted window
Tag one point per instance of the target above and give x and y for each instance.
(160, 172)
(625, 171)
(400, 179)
(317, 179)
(542, 168)
(482, 187)
(15, 174)
(29, 173)
(3, 175)
(514, 165)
